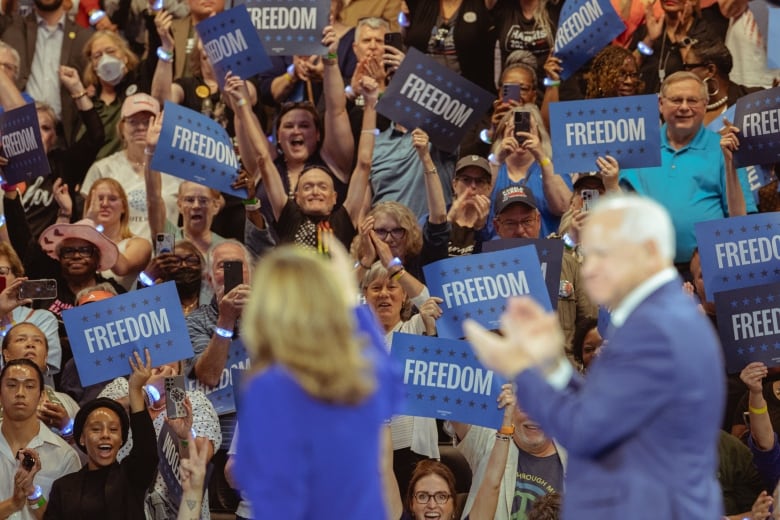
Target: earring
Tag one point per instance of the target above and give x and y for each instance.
(712, 92)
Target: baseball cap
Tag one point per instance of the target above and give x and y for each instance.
(140, 103)
(476, 161)
(514, 195)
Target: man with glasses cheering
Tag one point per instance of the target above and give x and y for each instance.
(691, 182)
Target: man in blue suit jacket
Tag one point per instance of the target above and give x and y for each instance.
(642, 431)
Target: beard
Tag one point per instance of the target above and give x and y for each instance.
(47, 7)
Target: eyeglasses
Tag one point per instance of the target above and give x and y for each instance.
(678, 101)
(190, 260)
(190, 201)
(624, 75)
(526, 223)
(473, 181)
(440, 498)
(397, 233)
(690, 66)
(72, 252)
(5, 270)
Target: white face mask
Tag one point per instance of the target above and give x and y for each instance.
(110, 69)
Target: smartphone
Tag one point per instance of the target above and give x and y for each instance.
(522, 124)
(510, 92)
(395, 40)
(234, 274)
(174, 397)
(589, 198)
(38, 289)
(163, 243)
(28, 462)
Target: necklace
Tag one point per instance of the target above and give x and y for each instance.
(188, 308)
(718, 103)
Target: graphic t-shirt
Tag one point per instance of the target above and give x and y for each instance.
(536, 477)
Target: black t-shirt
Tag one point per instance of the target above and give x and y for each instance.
(293, 226)
(536, 477)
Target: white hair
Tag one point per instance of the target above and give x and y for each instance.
(642, 219)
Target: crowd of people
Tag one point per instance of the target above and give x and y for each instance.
(617, 403)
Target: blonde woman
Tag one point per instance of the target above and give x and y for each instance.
(313, 410)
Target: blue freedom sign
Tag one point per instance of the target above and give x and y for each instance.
(232, 44)
(585, 27)
(222, 396)
(424, 94)
(444, 380)
(549, 255)
(758, 119)
(289, 27)
(104, 334)
(627, 128)
(773, 39)
(758, 175)
(477, 286)
(749, 325)
(196, 148)
(739, 252)
(168, 461)
(22, 145)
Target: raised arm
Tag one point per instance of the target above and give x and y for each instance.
(163, 87)
(154, 199)
(338, 146)
(252, 142)
(760, 423)
(735, 197)
(358, 184)
(437, 207)
(486, 501)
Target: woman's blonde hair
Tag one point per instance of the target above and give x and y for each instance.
(413, 240)
(90, 76)
(509, 118)
(124, 218)
(299, 317)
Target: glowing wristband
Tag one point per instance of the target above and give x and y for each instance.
(223, 333)
(145, 279)
(152, 394)
(568, 241)
(645, 49)
(67, 430)
(549, 82)
(2, 220)
(157, 6)
(38, 493)
(96, 15)
(484, 136)
(395, 262)
(164, 55)
(492, 159)
(99, 228)
(403, 20)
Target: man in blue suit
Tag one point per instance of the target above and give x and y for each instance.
(642, 431)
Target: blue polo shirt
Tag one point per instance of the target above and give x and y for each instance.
(690, 184)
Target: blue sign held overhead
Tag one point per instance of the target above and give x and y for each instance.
(477, 286)
(739, 252)
(232, 44)
(424, 94)
(749, 325)
(104, 334)
(289, 27)
(196, 148)
(758, 119)
(550, 258)
(223, 396)
(584, 28)
(627, 128)
(444, 380)
(22, 145)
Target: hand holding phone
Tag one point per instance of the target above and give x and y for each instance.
(45, 289)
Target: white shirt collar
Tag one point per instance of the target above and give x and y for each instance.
(41, 22)
(638, 295)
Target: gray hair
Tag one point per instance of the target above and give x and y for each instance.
(642, 219)
(684, 75)
(521, 59)
(14, 56)
(248, 260)
(372, 22)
